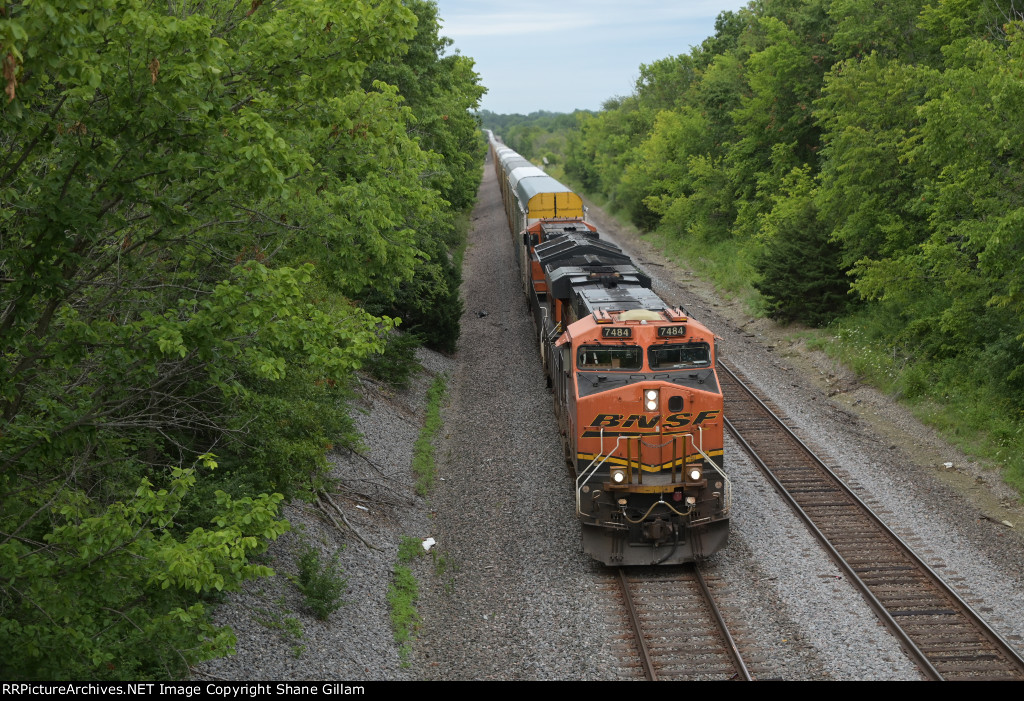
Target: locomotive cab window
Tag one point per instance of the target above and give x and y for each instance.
(609, 358)
(679, 355)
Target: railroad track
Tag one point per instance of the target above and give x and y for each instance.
(939, 631)
(678, 632)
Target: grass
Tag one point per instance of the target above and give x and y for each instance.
(445, 568)
(403, 590)
(409, 549)
(423, 466)
(289, 628)
(402, 594)
(405, 619)
(726, 264)
(952, 395)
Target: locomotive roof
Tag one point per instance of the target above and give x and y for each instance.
(574, 247)
(571, 279)
(563, 227)
(627, 295)
(575, 258)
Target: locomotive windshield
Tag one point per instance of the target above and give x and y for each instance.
(609, 358)
(682, 355)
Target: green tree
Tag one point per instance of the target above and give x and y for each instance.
(109, 593)
(441, 91)
(663, 84)
(970, 266)
(605, 145)
(193, 197)
(871, 187)
(665, 177)
(775, 128)
(801, 277)
(888, 28)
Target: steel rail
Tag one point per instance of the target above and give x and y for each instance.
(725, 652)
(908, 645)
(634, 622)
(730, 642)
(919, 656)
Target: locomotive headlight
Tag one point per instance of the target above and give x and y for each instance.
(695, 474)
(618, 475)
(651, 399)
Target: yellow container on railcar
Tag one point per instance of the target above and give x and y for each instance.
(546, 198)
(551, 205)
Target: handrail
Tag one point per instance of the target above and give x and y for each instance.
(592, 468)
(725, 478)
(601, 458)
(556, 331)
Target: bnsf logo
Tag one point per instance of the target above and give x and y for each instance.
(671, 421)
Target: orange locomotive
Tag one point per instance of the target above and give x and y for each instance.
(638, 404)
(637, 398)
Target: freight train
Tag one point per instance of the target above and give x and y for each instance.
(637, 397)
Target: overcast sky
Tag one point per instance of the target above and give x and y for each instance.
(562, 55)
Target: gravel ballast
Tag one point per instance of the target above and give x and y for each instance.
(506, 592)
(953, 518)
(277, 638)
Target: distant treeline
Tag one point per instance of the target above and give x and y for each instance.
(211, 215)
(540, 134)
(859, 163)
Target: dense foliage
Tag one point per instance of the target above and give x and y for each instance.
(538, 135)
(197, 201)
(861, 159)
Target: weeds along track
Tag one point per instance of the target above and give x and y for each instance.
(939, 631)
(671, 627)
